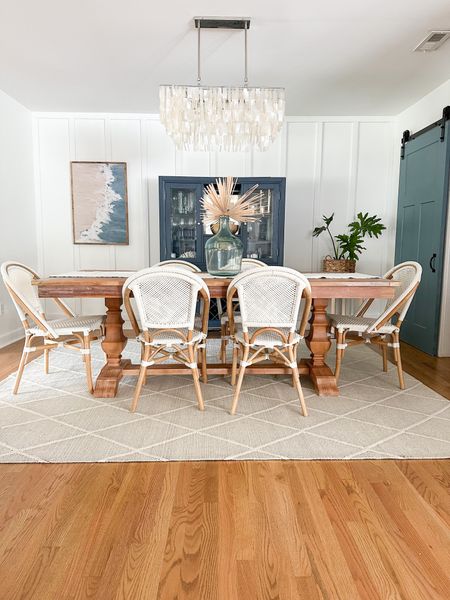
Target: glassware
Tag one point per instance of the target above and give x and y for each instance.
(224, 251)
(183, 223)
(260, 233)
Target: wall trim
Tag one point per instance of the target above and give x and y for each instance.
(155, 117)
(155, 154)
(11, 336)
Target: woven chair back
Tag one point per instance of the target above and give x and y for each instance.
(249, 264)
(18, 280)
(409, 275)
(270, 297)
(166, 298)
(181, 264)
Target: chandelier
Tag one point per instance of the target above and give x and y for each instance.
(209, 118)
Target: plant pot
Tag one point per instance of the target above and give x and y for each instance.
(224, 251)
(341, 265)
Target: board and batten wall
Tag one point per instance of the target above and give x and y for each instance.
(333, 164)
(17, 216)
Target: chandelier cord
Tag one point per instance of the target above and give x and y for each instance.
(199, 77)
(245, 59)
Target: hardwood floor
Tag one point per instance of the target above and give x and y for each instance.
(344, 530)
(430, 370)
(217, 530)
(9, 358)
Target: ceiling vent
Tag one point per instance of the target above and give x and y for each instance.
(433, 41)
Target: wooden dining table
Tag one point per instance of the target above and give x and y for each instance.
(323, 288)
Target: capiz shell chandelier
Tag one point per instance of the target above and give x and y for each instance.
(219, 117)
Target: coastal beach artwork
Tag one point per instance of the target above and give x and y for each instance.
(99, 202)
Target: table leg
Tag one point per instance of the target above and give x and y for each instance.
(319, 343)
(113, 346)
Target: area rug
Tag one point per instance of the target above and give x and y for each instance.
(54, 419)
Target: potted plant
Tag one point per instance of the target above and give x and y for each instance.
(348, 246)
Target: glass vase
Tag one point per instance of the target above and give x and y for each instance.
(224, 251)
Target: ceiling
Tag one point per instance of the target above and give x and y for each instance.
(347, 57)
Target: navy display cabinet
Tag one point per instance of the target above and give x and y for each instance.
(183, 234)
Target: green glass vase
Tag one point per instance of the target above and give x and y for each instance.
(224, 251)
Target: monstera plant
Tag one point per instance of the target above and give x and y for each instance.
(347, 247)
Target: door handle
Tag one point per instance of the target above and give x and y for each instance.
(433, 263)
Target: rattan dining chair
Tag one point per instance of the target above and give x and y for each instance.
(182, 264)
(269, 302)
(251, 263)
(72, 331)
(188, 266)
(382, 330)
(247, 264)
(166, 300)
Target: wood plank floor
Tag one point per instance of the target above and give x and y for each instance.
(226, 531)
(430, 370)
(344, 530)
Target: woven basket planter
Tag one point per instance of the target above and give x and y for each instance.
(342, 265)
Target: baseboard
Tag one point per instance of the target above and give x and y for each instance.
(11, 337)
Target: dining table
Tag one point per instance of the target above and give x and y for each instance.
(108, 286)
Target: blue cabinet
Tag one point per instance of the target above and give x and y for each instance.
(183, 234)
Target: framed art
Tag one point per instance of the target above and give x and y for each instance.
(99, 202)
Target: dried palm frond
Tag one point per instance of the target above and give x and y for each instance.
(219, 200)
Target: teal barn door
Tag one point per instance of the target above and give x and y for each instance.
(421, 225)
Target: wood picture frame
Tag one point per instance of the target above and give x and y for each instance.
(99, 203)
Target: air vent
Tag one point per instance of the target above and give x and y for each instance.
(433, 41)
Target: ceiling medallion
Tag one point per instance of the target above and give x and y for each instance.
(209, 118)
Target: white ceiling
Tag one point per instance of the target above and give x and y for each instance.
(335, 57)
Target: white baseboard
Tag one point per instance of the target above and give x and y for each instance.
(11, 336)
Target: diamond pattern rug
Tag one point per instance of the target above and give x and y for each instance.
(54, 418)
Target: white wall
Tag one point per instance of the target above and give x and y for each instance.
(331, 164)
(427, 110)
(340, 164)
(419, 115)
(17, 218)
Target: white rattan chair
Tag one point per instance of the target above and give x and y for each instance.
(182, 264)
(380, 330)
(166, 300)
(248, 264)
(251, 263)
(269, 301)
(72, 331)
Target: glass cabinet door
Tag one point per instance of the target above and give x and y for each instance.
(183, 235)
(261, 235)
(183, 214)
